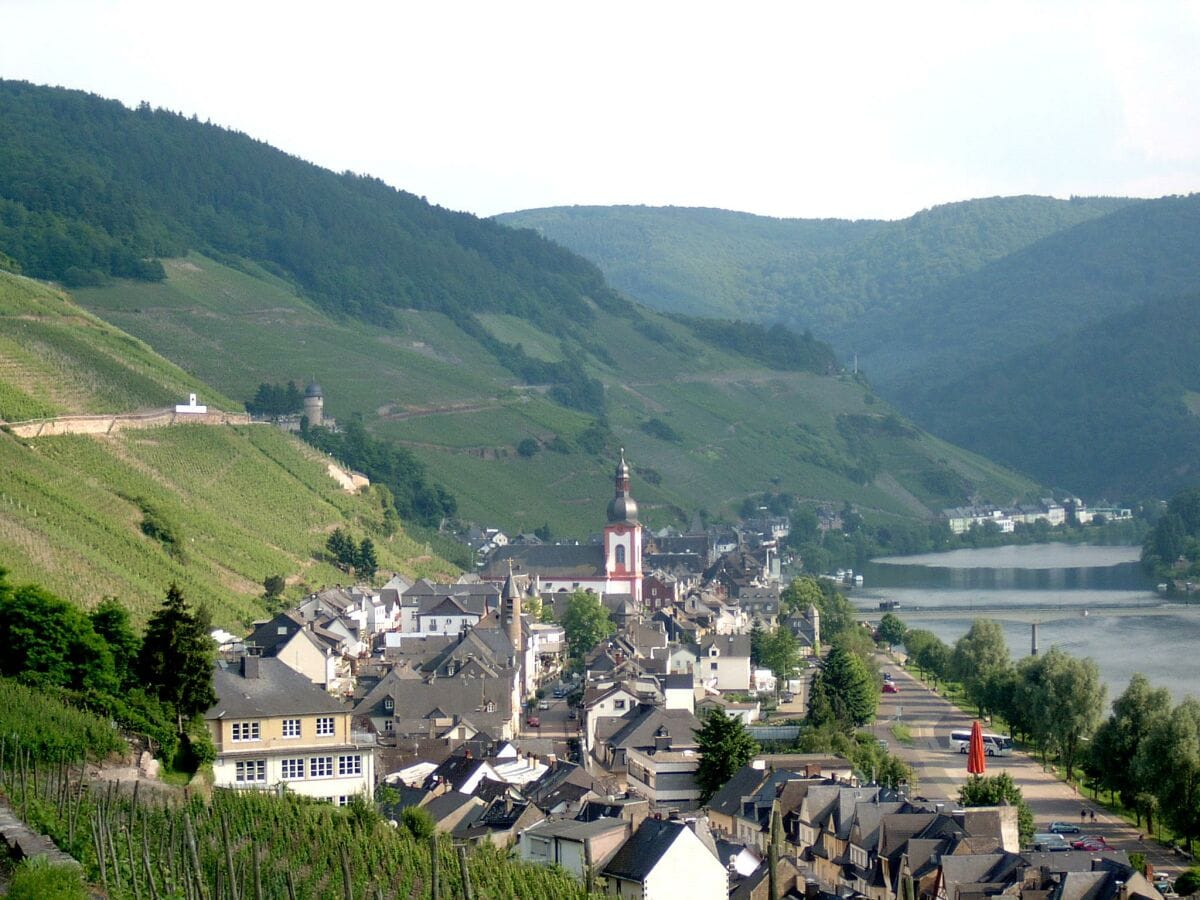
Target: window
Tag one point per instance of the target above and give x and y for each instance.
(245, 731)
(291, 728)
(389, 704)
(250, 771)
(350, 765)
(389, 726)
(291, 768)
(320, 767)
(620, 554)
(618, 704)
(713, 667)
(342, 800)
(324, 726)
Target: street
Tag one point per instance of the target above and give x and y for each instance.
(940, 771)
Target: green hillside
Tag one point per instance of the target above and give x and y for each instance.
(237, 503)
(822, 274)
(1115, 403)
(503, 361)
(735, 427)
(975, 319)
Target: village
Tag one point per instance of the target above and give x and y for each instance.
(465, 700)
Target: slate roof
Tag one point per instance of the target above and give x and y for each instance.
(446, 606)
(573, 830)
(728, 645)
(745, 781)
(638, 733)
(278, 690)
(445, 805)
(548, 560)
(640, 854)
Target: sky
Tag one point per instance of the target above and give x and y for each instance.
(796, 109)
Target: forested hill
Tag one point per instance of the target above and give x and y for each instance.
(823, 274)
(1114, 404)
(91, 189)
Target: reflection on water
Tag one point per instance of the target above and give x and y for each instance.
(1055, 588)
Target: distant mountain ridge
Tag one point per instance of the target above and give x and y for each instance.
(954, 311)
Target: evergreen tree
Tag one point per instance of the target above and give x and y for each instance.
(844, 691)
(365, 562)
(176, 662)
(342, 548)
(724, 746)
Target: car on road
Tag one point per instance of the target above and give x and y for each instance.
(573, 714)
(887, 676)
(1091, 842)
(1063, 828)
(890, 687)
(533, 721)
(543, 704)
(560, 692)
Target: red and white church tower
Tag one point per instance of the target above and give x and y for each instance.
(623, 539)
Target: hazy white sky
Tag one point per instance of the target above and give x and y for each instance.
(786, 109)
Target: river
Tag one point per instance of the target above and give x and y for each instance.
(1090, 601)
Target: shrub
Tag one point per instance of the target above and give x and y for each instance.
(38, 879)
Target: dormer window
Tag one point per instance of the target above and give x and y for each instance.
(490, 706)
(389, 704)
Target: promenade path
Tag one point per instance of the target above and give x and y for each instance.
(941, 771)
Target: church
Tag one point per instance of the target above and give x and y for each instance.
(613, 567)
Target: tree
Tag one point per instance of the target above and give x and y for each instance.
(528, 447)
(724, 746)
(49, 642)
(110, 620)
(844, 691)
(757, 633)
(1168, 763)
(273, 586)
(995, 790)
(176, 662)
(892, 630)
(979, 654)
(1188, 882)
(779, 651)
(365, 562)
(1115, 745)
(342, 548)
(586, 622)
(1058, 701)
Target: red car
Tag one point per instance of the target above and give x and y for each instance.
(533, 722)
(889, 687)
(1091, 842)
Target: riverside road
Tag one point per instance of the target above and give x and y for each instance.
(941, 771)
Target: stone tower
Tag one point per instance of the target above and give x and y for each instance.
(314, 404)
(510, 621)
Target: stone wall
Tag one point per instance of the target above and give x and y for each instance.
(108, 424)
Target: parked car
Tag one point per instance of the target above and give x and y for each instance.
(889, 687)
(543, 704)
(560, 692)
(573, 714)
(887, 676)
(533, 721)
(1063, 828)
(1163, 885)
(1091, 842)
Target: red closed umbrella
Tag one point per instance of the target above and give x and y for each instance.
(976, 759)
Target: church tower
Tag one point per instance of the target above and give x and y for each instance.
(510, 621)
(623, 538)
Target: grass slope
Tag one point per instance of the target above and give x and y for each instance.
(243, 503)
(742, 428)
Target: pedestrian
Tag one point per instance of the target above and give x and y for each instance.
(1092, 814)
(1082, 816)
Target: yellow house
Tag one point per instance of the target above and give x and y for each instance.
(273, 726)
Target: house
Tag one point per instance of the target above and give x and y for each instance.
(578, 847)
(500, 822)
(644, 729)
(296, 642)
(679, 691)
(445, 616)
(271, 726)
(665, 859)
(723, 662)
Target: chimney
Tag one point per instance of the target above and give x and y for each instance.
(812, 889)
(250, 661)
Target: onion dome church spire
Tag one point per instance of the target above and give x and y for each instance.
(622, 508)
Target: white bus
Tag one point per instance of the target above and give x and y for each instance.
(993, 744)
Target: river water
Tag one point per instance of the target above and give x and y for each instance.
(1090, 601)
